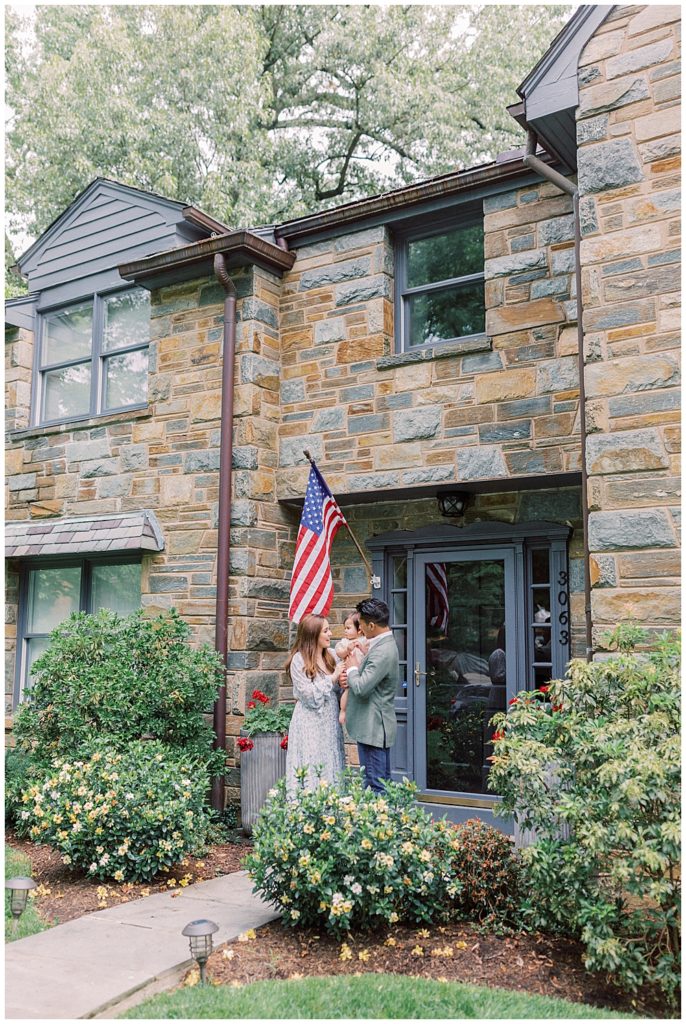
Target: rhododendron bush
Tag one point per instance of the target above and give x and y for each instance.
(593, 765)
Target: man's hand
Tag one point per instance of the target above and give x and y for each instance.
(343, 680)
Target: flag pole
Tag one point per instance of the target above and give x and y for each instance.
(352, 535)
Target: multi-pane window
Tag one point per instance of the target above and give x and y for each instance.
(94, 356)
(398, 623)
(440, 279)
(54, 591)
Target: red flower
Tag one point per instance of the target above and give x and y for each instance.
(284, 743)
(251, 704)
(543, 689)
(262, 697)
(557, 707)
(434, 722)
(498, 735)
(513, 701)
(243, 743)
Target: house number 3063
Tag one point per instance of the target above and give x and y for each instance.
(563, 604)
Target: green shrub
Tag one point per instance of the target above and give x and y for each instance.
(594, 767)
(346, 857)
(487, 866)
(20, 771)
(124, 678)
(122, 814)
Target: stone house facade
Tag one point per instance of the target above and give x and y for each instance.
(348, 344)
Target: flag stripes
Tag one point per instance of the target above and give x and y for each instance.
(437, 600)
(311, 582)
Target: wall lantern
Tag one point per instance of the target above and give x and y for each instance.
(19, 893)
(199, 934)
(452, 503)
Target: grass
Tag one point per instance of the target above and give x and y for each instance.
(367, 995)
(30, 922)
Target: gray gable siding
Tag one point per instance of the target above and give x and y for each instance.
(107, 224)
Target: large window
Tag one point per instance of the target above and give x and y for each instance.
(52, 591)
(440, 283)
(93, 356)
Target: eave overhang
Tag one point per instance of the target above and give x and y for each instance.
(550, 92)
(388, 205)
(241, 248)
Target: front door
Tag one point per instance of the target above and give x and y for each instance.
(464, 669)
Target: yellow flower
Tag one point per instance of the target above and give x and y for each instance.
(366, 844)
(345, 953)
(323, 905)
(407, 881)
(444, 951)
(330, 820)
(118, 876)
(417, 951)
(308, 828)
(363, 955)
(393, 917)
(325, 835)
(390, 941)
(460, 945)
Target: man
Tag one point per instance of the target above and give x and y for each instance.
(372, 683)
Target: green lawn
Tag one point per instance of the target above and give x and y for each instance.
(369, 995)
(30, 922)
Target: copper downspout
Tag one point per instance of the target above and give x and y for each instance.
(224, 514)
(565, 185)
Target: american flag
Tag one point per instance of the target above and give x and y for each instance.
(311, 583)
(437, 602)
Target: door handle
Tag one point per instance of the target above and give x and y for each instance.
(417, 673)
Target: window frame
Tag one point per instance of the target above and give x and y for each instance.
(97, 359)
(468, 215)
(85, 563)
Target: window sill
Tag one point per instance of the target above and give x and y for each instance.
(94, 421)
(479, 343)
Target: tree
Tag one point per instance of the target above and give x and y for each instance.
(258, 113)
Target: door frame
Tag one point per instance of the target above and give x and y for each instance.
(441, 539)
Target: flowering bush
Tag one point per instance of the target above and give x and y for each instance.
(346, 857)
(123, 815)
(262, 716)
(488, 868)
(596, 772)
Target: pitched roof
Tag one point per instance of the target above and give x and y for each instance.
(82, 535)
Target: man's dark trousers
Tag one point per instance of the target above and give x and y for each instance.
(376, 762)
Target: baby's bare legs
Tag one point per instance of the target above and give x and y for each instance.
(344, 704)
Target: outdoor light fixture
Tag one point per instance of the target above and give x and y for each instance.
(19, 894)
(452, 503)
(199, 934)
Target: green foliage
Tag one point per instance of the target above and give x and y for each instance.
(488, 869)
(348, 858)
(362, 996)
(124, 814)
(262, 716)
(19, 772)
(596, 772)
(309, 105)
(124, 678)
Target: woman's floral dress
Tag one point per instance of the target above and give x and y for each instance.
(315, 737)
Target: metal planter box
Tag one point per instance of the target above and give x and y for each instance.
(261, 769)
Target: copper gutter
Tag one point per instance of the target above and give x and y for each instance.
(442, 185)
(565, 185)
(221, 636)
(240, 247)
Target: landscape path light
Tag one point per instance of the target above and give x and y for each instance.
(19, 893)
(199, 934)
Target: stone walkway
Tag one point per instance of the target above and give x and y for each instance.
(102, 963)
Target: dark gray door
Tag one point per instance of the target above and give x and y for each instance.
(464, 669)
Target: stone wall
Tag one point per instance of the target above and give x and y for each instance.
(490, 408)
(629, 178)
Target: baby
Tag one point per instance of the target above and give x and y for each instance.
(353, 637)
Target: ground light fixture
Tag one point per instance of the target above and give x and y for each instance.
(199, 934)
(452, 503)
(19, 893)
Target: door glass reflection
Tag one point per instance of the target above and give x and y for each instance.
(465, 663)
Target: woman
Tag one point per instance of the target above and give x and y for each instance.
(315, 737)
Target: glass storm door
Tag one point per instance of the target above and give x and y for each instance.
(464, 670)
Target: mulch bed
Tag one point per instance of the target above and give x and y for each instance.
(64, 894)
(454, 952)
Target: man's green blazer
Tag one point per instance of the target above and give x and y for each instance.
(370, 714)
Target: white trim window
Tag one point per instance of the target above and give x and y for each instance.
(93, 357)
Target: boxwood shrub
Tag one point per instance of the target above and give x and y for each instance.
(344, 857)
(120, 814)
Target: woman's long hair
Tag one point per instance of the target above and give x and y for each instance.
(309, 628)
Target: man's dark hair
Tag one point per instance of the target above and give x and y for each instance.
(373, 610)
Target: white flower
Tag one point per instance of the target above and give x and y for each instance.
(25, 815)
(76, 827)
(356, 888)
(93, 867)
(128, 796)
(348, 880)
(104, 859)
